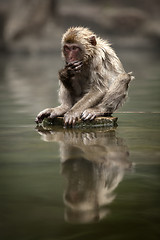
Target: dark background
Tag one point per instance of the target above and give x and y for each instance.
(31, 26)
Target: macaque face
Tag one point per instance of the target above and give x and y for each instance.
(72, 52)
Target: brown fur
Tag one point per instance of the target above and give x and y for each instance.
(101, 85)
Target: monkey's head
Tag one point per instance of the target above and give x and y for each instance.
(78, 44)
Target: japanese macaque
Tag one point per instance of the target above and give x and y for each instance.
(93, 82)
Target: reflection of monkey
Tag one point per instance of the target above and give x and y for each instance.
(93, 164)
(92, 83)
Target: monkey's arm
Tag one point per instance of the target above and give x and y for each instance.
(65, 76)
(57, 111)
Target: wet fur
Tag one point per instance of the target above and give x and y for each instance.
(99, 88)
(102, 69)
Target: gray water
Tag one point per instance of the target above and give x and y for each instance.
(78, 184)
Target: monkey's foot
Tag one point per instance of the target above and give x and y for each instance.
(71, 117)
(92, 113)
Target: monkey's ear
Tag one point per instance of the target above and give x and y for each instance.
(92, 40)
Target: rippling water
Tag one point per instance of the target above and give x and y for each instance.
(78, 184)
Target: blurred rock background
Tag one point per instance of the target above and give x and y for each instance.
(36, 26)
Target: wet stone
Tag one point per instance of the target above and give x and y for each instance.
(97, 122)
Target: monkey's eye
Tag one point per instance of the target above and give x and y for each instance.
(75, 48)
(66, 48)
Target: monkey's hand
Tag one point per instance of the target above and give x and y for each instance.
(71, 117)
(48, 112)
(70, 70)
(74, 67)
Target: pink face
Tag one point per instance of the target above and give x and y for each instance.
(72, 52)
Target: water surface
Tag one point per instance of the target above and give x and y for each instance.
(78, 184)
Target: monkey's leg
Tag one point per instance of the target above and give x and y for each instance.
(88, 101)
(117, 93)
(112, 99)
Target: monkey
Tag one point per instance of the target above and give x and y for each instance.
(93, 81)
